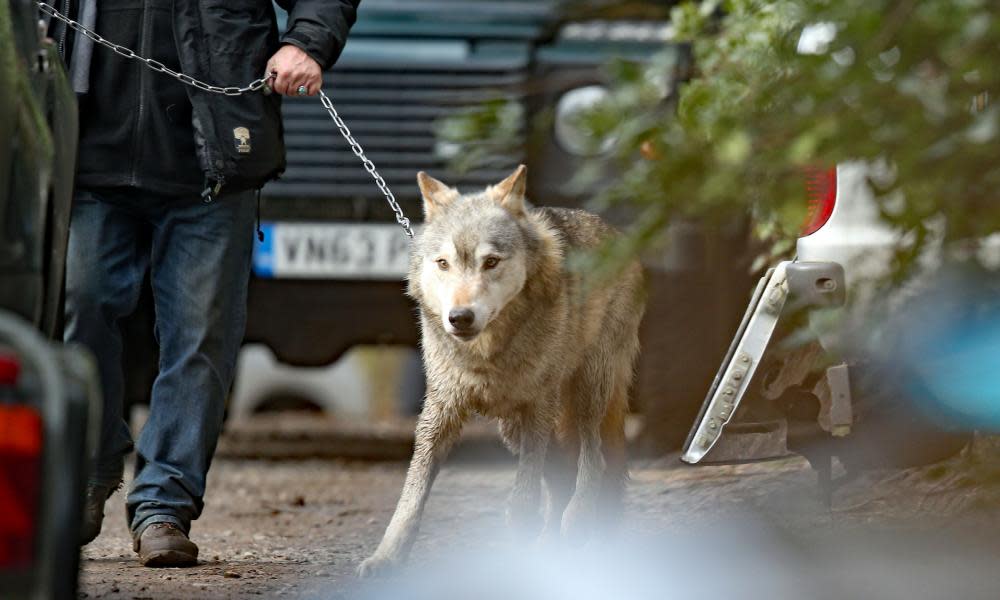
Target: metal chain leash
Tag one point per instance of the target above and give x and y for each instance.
(260, 85)
(155, 65)
(368, 164)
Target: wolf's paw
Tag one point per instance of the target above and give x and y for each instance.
(377, 565)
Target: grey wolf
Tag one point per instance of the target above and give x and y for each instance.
(150, 151)
(508, 331)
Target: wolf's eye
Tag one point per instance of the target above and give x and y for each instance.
(491, 262)
(442, 264)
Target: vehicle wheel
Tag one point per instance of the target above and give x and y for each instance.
(287, 402)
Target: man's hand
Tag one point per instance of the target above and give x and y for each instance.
(294, 69)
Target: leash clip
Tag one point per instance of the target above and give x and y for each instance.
(211, 192)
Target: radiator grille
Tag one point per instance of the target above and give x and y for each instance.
(391, 112)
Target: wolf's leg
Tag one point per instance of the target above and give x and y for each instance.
(560, 479)
(510, 433)
(596, 386)
(616, 468)
(438, 427)
(601, 401)
(561, 465)
(579, 515)
(523, 510)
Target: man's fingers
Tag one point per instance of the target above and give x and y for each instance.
(288, 81)
(315, 83)
(283, 83)
(288, 84)
(311, 84)
(273, 81)
(295, 69)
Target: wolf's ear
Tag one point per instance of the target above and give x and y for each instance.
(509, 193)
(436, 194)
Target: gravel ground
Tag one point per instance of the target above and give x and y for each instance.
(299, 528)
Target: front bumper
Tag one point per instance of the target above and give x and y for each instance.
(789, 285)
(311, 322)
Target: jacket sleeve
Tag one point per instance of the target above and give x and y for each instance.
(319, 27)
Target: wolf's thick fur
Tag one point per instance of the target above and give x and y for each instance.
(510, 332)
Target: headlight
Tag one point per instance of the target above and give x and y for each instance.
(569, 131)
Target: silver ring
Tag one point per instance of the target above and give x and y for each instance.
(303, 90)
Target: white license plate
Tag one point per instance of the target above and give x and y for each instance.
(332, 251)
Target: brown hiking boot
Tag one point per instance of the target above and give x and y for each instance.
(164, 545)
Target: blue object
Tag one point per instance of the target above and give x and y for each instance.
(263, 253)
(950, 343)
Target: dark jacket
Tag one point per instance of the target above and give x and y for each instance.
(143, 129)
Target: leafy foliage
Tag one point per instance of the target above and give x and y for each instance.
(901, 82)
(904, 83)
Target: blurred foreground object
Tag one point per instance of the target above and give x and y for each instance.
(47, 394)
(49, 415)
(751, 558)
(38, 135)
(949, 339)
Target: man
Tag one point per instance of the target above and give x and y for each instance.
(166, 184)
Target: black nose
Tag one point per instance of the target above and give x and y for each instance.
(461, 318)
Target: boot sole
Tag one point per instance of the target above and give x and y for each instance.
(168, 558)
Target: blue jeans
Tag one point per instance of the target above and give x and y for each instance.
(198, 256)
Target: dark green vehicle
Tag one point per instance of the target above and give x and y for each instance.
(38, 132)
(329, 274)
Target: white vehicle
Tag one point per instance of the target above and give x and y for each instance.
(762, 403)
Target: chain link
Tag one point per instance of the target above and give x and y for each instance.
(368, 164)
(155, 65)
(260, 84)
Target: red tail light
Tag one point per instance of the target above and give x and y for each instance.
(10, 369)
(821, 192)
(20, 483)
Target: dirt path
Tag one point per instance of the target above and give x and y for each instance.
(300, 528)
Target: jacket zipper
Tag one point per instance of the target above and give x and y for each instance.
(213, 172)
(136, 132)
(64, 31)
